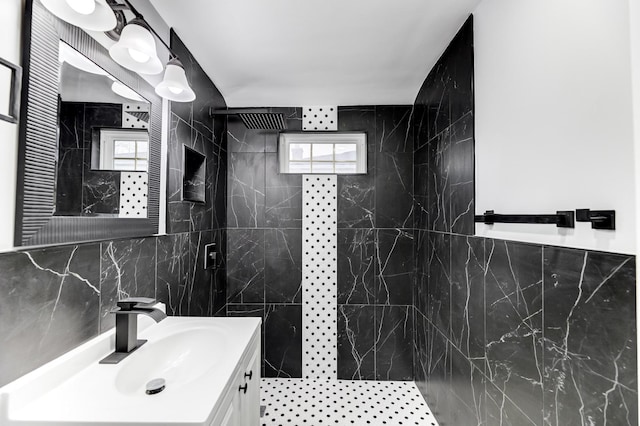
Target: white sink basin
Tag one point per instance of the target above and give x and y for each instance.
(197, 357)
(173, 357)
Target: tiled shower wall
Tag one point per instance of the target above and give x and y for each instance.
(55, 298)
(508, 333)
(190, 289)
(375, 246)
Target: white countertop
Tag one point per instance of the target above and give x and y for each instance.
(75, 389)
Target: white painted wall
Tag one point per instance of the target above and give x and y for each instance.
(10, 49)
(634, 9)
(554, 126)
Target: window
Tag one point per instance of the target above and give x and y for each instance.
(323, 153)
(124, 150)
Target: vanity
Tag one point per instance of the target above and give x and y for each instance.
(210, 369)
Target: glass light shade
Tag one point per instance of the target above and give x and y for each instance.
(101, 18)
(124, 91)
(77, 60)
(85, 7)
(136, 49)
(175, 86)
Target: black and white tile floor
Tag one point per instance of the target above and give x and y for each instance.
(300, 402)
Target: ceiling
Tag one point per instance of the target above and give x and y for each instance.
(316, 52)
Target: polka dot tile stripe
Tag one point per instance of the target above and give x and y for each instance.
(319, 276)
(134, 187)
(320, 118)
(343, 402)
(135, 115)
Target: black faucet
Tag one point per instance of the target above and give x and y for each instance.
(127, 325)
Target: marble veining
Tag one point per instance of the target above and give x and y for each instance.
(394, 266)
(283, 266)
(49, 302)
(101, 193)
(128, 268)
(245, 266)
(394, 188)
(173, 271)
(283, 196)
(356, 256)
(589, 338)
(357, 336)
(394, 343)
(246, 201)
(468, 272)
(283, 331)
(513, 291)
(394, 127)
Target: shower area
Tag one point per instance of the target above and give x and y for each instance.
(336, 265)
(380, 305)
(327, 260)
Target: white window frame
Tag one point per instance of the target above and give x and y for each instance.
(107, 141)
(357, 138)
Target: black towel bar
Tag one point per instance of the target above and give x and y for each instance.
(562, 219)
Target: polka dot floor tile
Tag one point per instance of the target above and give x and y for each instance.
(343, 402)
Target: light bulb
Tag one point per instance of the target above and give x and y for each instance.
(175, 90)
(83, 7)
(138, 56)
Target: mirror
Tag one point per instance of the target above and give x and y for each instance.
(89, 165)
(103, 142)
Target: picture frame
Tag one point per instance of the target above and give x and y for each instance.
(14, 97)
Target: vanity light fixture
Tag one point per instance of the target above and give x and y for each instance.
(94, 15)
(122, 90)
(74, 58)
(136, 49)
(175, 86)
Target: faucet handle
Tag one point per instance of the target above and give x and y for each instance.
(132, 302)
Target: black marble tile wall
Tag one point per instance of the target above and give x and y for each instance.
(376, 247)
(590, 347)
(357, 342)
(375, 236)
(49, 303)
(513, 313)
(192, 225)
(283, 340)
(357, 260)
(133, 259)
(356, 194)
(394, 343)
(375, 342)
(192, 127)
(196, 113)
(53, 299)
(549, 331)
(507, 333)
(444, 141)
(81, 191)
(264, 238)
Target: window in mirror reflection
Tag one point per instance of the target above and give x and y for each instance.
(103, 142)
(124, 150)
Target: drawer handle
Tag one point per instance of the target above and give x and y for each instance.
(243, 388)
(249, 375)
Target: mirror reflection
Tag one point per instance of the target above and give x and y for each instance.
(103, 142)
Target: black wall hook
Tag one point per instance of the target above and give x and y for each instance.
(600, 219)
